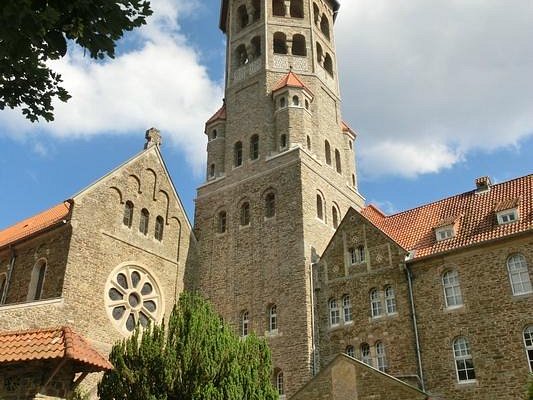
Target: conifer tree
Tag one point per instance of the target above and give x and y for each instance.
(194, 356)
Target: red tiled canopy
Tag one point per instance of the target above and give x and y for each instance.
(290, 80)
(51, 344)
(35, 224)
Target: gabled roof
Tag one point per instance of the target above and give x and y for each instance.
(38, 223)
(290, 80)
(414, 229)
(51, 344)
(220, 115)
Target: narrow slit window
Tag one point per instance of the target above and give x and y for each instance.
(159, 227)
(144, 221)
(127, 219)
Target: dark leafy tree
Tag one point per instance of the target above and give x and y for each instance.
(32, 32)
(195, 356)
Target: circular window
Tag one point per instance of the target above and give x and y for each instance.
(132, 297)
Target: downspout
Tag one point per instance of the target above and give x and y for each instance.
(313, 330)
(9, 273)
(415, 327)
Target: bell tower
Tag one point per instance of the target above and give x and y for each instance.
(280, 176)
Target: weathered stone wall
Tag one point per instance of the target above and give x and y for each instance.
(51, 246)
(337, 277)
(492, 320)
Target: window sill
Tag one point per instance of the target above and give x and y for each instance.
(269, 218)
(272, 334)
(454, 308)
(524, 295)
(244, 227)
(471, 382)
(28, 304)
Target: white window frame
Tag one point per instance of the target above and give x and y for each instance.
(463, 360)
(350, 351)
(518, 271)
(381, 357)
(334, 313)
(357, 254)
(245, 323)
(347, 309)
(390, 300)
(527, 335)
(376, 307)
(366, 354)
(273, 318)
(280, 385)
(507, 216)
(451, 286)
(445, 233)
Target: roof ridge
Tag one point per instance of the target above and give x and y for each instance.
(450, 197)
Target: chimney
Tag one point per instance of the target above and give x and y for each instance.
(483, 184)
(153, 138)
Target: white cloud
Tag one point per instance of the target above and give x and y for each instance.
(160, 83)
(426, 82)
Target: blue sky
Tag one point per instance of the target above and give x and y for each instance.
(440, 93)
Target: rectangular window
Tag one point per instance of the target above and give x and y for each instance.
(507, 216)
(444, 233)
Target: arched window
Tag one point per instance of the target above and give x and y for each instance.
(319, 207)
(270, 205)
(298, 45)
(241, 55)
(144, 221)
(452, 289)
(214, 134)
(127, 219)
(366, 357)
(353, 180)
(256, 46)
(335, 216)
(237, 154)
(278, 8)
(159, 226)
(375, 303)
(319, 53)
(347, 308)
(282, 102)
(245, 323)
(254, 147)
(295, 101)
(328, 64)
(279, 383)
(338, 164)
(350, 351)
(273, 318)
(3, 283)
(283, 141)
(327, 150)
(245, 214)
(518, 274)
(381, 356)
(222, 219)
(528, 343)
(308, 142)
(390, 300)
(212, 171)
(297, 9)
(324, 26)
(334, 314)
(35, 289)
(256, 4)
(464, 364)
(280, 43)
(242, 14)
(316, 13)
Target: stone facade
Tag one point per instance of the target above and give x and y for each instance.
(86, 255)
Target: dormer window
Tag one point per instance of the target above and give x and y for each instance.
(507, 216)
(445, 232)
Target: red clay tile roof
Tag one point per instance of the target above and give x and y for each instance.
(35, 224)
(51, 344)
(346, 129)
(220, 115)
(414, 229)
(507, 204)
(290, 80)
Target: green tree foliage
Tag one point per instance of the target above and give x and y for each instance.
(194, 356)
(33, 32)
(530, 388)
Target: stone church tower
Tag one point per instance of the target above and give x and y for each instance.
(280, 176)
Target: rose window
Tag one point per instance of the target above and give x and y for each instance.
(132, 297)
